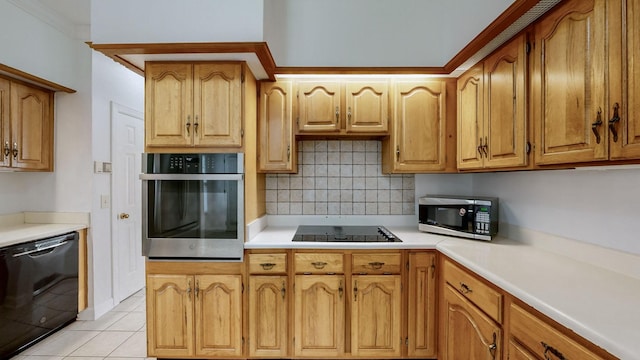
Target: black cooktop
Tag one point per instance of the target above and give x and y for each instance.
(322, 233)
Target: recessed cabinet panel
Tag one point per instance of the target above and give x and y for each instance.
(319, 106)
(268, 316)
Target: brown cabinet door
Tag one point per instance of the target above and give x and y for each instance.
(217, 105)
(422, 305)
(170, 315)
(319, 106)
(465, 324)
(319, 315)
(568, 84)
(505, 108)
(376, 315)
(31, 128)
(470, 118)
(277, 143)
(268, 317)
(5, 123)
(218, 325)
(367, 106)
(624, 134)
(419, 130)
(169, 104)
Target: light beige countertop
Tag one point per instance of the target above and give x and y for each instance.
(23, 227)
(591, 290)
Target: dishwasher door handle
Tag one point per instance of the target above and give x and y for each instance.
(39, 250)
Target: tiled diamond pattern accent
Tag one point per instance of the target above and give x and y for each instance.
(340, 177)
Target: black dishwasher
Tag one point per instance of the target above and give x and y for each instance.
(38, 290)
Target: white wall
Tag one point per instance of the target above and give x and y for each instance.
(35, 47)
(595, 206)
(161, 21)
(393, 33)
(110, 82)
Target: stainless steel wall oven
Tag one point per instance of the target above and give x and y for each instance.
(193, 206)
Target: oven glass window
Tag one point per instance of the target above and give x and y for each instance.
(193, 209)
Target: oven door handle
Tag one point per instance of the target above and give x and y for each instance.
(192, 177)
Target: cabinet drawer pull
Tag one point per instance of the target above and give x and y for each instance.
(464, 288)
(613, 121)
(267, 266)
(376, 265)
(551, 350)
(319, 264)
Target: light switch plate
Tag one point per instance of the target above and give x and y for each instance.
(105, 201)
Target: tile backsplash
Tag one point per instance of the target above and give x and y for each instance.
(340, 177)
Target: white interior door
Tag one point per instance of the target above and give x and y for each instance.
(127, 129)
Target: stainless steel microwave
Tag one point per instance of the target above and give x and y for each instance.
(467, 217)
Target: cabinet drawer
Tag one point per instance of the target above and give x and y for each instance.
(267, 263)
(373, 263)
(483, 296)
(319, 263)
(543, 339)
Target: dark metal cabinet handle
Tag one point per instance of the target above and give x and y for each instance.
(188, 124)
(349, 114)
(319, 265)
(355, 291)
(493, 347)
(480, 147)
(594, 126)
(376, 265)
(197, 288)
(283, 291)
(195, 126)
(288, 152)
(464, 288)
(398, 152)
(340, 289)
(337, 114)
(15, 151)
(613, 121)
(485, 147)
(552, 350)
(7, 149)
(267, 266)
(189, 289)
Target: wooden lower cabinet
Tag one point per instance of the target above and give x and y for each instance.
(319, 316)
(421, 307)
(468, 332)
(268, 316)
(194, 315)
(376, 315)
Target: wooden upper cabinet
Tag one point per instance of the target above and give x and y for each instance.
(26, 127)
(275, 132)
(168, 104)
(190, 104)
(505, 117)
(376, 315)
(624, 77)
(218, 320)
(568, 84)
(492, 110)
(319, 315)
(169, 315)
(5, 123)
(470, 118)
(319, 106)
(217, 105)
(419, 128)
(367, 106)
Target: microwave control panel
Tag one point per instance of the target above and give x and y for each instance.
(483, 220)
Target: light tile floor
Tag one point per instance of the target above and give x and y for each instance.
(118, 335)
